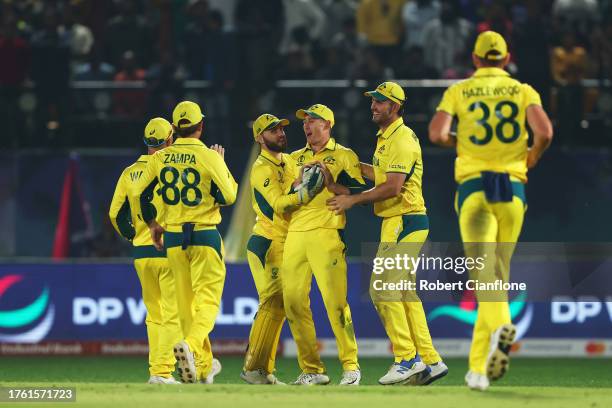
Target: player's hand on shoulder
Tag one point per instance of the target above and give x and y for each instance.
(219, 149)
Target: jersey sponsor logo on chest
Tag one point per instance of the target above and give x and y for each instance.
(179, 158)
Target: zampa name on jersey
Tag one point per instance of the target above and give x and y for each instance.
(179, 158)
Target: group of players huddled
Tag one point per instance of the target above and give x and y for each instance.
(167, 203)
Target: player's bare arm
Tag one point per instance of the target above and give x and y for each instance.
(542, 133)
(367, 171)
(440, 130)
(390, 188)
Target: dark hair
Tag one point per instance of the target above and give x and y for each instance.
(400, 111)
(182, 132)
(490, 63)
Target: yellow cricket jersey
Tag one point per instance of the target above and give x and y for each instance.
(124, 209)
(271, 181)
(193, 182)
(491, 135)
(343, 164)
(398, 151)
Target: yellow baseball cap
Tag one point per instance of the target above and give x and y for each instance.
(317, 111)
(491, 46)
(265, 122)
(189, 111)
(388, 91)
(157, 131)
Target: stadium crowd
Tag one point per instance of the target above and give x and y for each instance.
(555, 44)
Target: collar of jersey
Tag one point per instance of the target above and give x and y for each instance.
(391, 129)
(268, 156)
(330, 145)
(490, 71)
(188, 140)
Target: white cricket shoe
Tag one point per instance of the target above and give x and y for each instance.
(436, 371)
(186, 362)
(498, 360)
(214, 370)
(156, 379)
(402, 372)
(260, 376)
(311, 379)
(350, 377)
(477, 382)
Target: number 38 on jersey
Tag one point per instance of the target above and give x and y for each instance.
(498, 120)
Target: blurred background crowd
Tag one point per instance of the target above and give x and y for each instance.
(83, 73)
(79, 79)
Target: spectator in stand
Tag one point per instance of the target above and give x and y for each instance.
(260, 27)
(336, 13)
(14, 54)
(568, 64)
(195, 36)
(15, 57)
(415, 15)
(380, 23)
(601, 41)
(128, 31)
(531, 44)
(51, 71)
(304, 15)
(447, 38)
(130, 103)
(78, 36)
(349, 45)
(576, 15)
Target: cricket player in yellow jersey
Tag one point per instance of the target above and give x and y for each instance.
(271, 180)
(397, 170)
(315, 245)
(193, 182)
(156, 278)
(491, 172)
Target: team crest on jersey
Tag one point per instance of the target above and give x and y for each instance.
(300, 160)
(329, 160)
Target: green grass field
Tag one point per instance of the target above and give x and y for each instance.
(119, 381)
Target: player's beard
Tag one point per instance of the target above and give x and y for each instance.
(276, 147)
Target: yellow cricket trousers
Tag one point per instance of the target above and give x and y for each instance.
(404, 320)
(492, 229)
(199, 273)
(320, 252)
(265, 259)
(158, 294)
